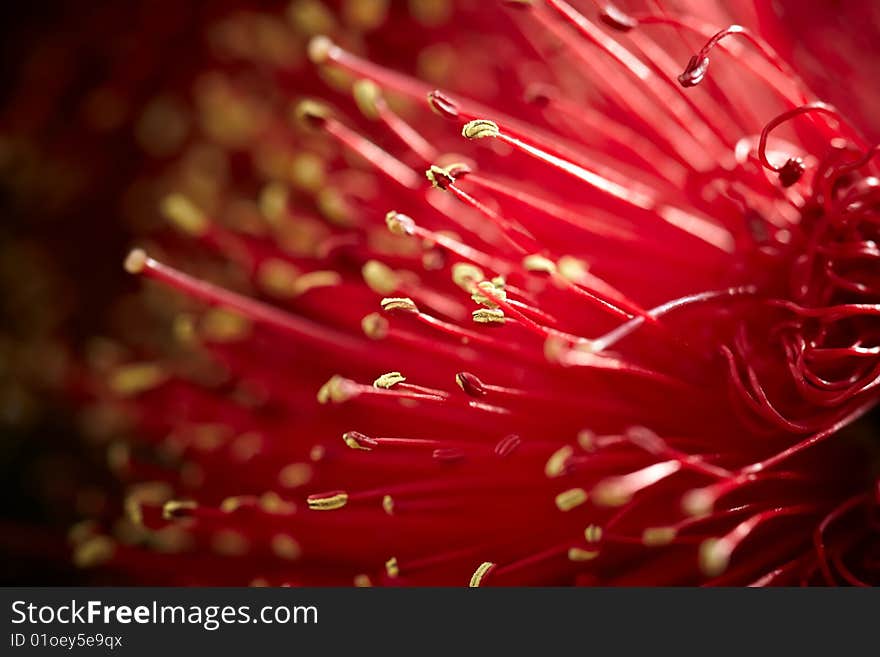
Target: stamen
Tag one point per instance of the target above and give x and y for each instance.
(482, 571)
(570, 499)
(138, 262)
(327, 501)
(371, 103)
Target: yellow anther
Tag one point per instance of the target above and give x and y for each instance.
(388, 505)
(375, 326)
(278, 278)
(273, 503)
(311, 113)
(329, 502)
(558, 461)
(362, 581)
(389, 380)
(487, 292)
(316, 279)
(285, 547)
(319, 49)
(294, 475)
(482, 570)
(133, 511)
(334, 207)
(235, 502)
(555, 348)
(135, 261)
(440, 177)
(480, 128)
(338, 389)
(570, 499)
(311, 17)
(658, 536)
(573, 269)
(610, 493)
(223, 326)
(273, 202)
(399, 224)
(714, 556)
(698, 502)
(172, 508)
(392, 568)
(93, 552)
(307, 171)
(367, 95)
(403, 304)
(184, 214)
(593, 534)
(353, 440)
(184, 328)
(136, 378)
(466, 275)
(488, 316)
(539, 263)
(379, 277)
(587, 440)
(579, 554)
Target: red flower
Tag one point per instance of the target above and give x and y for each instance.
(620, 337)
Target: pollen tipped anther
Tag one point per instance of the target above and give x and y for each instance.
(488, 316)
(439, 177)
(466, 275)
(135, 261)
(367, 96)
(399, 304)
(558, 463)
(481, 573)
(658, 536)
(593, 534)
(570, 499)
(399, 224)
(184, 214)
(375, 326)
(173, 509)
(327, 501)
(698, 502)
(539, 263)
(319, 49)
(338, 389)
(358, 440)
(311, 113)
(714, 556)
(479, 129)
(389, 380)
(388, 505)
(579, 554)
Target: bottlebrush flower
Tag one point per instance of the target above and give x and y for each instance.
(602, 311)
